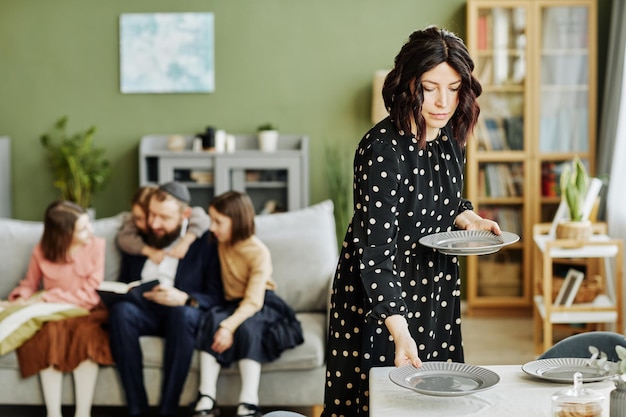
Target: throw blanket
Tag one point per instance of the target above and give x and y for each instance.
(18, 323)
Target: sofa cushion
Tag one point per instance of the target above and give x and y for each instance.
(107, 228)
(304, 252)
(19, 237)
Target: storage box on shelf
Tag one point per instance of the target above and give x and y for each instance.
(278, 178)
(532, 120)
(600, 256)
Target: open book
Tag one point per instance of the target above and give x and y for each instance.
(113, 291)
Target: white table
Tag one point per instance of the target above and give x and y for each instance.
(516, 395)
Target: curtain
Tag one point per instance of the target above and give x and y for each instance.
(612, 137)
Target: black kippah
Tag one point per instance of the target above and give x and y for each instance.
(177, 190)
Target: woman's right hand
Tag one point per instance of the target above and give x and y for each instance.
(406, 348)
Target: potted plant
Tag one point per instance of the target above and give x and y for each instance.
(574, 183)
(80, 169)
(268, 137)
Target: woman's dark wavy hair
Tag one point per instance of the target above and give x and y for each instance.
(58, 230)
(402, 90)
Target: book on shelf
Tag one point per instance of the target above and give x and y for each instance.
(112, 292)
(501, 180)
(482, 27)
(496, 134)
(550, 175)
(481, 135)
(514, 132)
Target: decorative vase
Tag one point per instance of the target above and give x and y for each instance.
(580, 230)
(617, 405)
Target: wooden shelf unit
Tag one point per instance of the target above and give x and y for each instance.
(600, 255)
(536, 61)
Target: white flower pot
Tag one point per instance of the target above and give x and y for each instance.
(268, 140)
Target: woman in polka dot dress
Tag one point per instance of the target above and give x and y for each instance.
(394, 301)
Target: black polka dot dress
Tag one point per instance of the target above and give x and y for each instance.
(401, 193)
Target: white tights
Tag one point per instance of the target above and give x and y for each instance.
(85, 376)
(249, 370)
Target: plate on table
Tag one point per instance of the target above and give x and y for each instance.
(563, 369)
(468, 242)
(444, 379)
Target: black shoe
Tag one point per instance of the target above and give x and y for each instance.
(212, 412)
(253, 410)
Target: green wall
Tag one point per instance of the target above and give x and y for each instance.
(306, 66)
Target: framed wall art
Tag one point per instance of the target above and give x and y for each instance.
(167, 53)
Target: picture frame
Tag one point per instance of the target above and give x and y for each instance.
(167, 52)
(568, 290)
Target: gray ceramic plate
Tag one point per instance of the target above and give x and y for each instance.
(444, 379)
(468, 242)
(563, 369)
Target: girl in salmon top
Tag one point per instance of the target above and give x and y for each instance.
(66, 266)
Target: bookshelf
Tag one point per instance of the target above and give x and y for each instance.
(536, 61)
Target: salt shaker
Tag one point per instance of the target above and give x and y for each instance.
(577, 401)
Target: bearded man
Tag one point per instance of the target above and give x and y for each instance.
(172, 309)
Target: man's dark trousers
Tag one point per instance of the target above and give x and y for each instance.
(177, 325)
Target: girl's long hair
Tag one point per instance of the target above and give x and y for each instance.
(58, 230)
(239, 208)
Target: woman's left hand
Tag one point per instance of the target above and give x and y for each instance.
(222, 340)
(469, 220)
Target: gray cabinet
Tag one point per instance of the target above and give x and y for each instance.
(278, 179)
(5, 177)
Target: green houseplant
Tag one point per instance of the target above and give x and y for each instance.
(80, 169)
(268, 137)
(574, 183)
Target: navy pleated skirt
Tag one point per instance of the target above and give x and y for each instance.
(262, 337)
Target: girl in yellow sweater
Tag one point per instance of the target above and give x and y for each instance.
(254, 325)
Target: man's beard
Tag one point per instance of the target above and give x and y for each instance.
(164, 241)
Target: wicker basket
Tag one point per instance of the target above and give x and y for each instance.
(589, 289)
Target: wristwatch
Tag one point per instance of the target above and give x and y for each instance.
(192, 302)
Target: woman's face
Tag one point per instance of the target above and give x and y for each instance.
(221, 226)
(139, 218)
(82, 230)
(440, 87)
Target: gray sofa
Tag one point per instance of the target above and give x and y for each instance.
(304, 254)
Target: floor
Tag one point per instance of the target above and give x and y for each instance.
(487, 341)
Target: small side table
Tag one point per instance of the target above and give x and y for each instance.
(607, 308)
